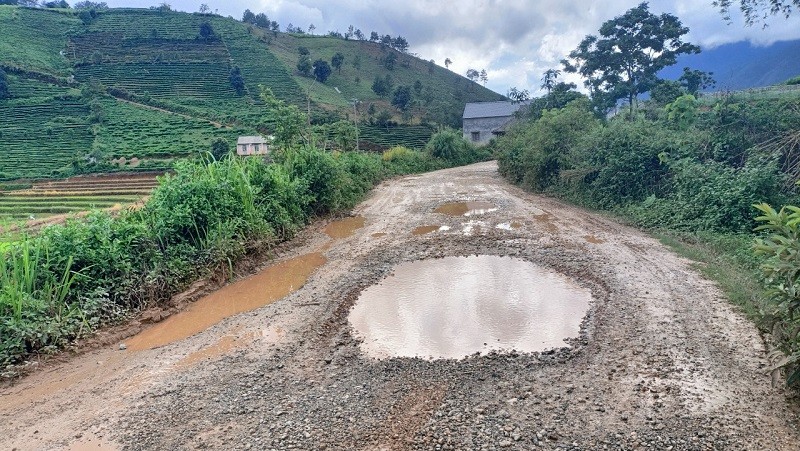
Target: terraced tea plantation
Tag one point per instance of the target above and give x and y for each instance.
(75, 195)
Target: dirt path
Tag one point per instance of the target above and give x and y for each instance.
(663, 362)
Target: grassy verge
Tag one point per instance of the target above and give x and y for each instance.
(726, 260)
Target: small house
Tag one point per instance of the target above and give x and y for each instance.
(482, 121)
(252, 145)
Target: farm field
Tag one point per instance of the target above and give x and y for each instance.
(47, 199)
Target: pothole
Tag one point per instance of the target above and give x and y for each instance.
(258, 290)
(343, 228)
(453, 307)
(466, 208)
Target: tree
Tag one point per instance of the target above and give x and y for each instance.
(351, 31)
(382, 86)
(88, 5)
(311, 29)
(386, 40)
(356, 63)
(417, 87)
(389, 61)
(204, 9)
(517, 95)
(666, 91)
(237, 82)
(447, 63)
(303, 51)
(322, 70)
(757, 10)
(220, 148)
(631, 49)
(695, 81)
(249, 17)
(402, 98)
(4, 93)
(359, 35)
(206, 31)
(337, 61)
(484, 77)
(549, 79)
(400, 43)
(262, 21)
(431, 66)
(57, 4)
(473, 74)
(304, 65)
(374, 37)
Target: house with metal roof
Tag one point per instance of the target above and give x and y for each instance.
(252, 145)
(482, 121)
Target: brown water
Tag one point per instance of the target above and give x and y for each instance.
(256, 291)
(465, 208)
(423, 230)
(456, 306)
(344, 227)
(593, 239)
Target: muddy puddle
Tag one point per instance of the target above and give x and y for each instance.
(593, 239)
(456, 306)
(344, 227)
(424, 230)
(466, 208)
(256, 291)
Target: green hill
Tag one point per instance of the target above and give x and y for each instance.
(142, 83)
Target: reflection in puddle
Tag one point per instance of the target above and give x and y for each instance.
(466, 208)
(593, 239)
(344, 227)
(508, 226)
(256, 291)
(422, 230)
(456, 306)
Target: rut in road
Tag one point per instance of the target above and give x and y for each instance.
(662, 359)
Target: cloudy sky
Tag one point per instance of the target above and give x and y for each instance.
(514, 40)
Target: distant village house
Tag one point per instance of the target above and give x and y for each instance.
(483, 121)
(252, 145)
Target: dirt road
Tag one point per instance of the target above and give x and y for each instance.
(663, 362)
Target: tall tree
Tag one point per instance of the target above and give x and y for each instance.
(374, 37)
(549, 79)
(3, 85)
(517, 95)
(237, 82)
(304, 65)
(311, 29)
(204, 8)
(623, 61)
(484, 76)
(447, 63)
(248, 17)
(206, 31)
(322, 70)
(337, 61)
(473, 74)
(402, 98)
(694, 81)
(757, 10)
(262, 21)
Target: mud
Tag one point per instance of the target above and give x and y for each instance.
(424, 230)
(457, 306)
(269, 285)
(343, 228)
(465, 208)
(662, 361)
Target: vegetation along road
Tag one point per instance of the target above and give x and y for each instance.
(662, 361)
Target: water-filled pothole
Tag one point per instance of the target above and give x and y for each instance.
(465, 208)
(343, 228)
(248, 294)
(456, 306)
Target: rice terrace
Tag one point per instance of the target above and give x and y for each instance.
(395, 226)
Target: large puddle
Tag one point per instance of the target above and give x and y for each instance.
(343, 228)
(456, 306)
(256, 291)
(465, 208)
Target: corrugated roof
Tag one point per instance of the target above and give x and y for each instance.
(251, 140)
(492, 109)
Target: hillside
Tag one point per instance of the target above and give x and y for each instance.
(92, 93)
(742, 65)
